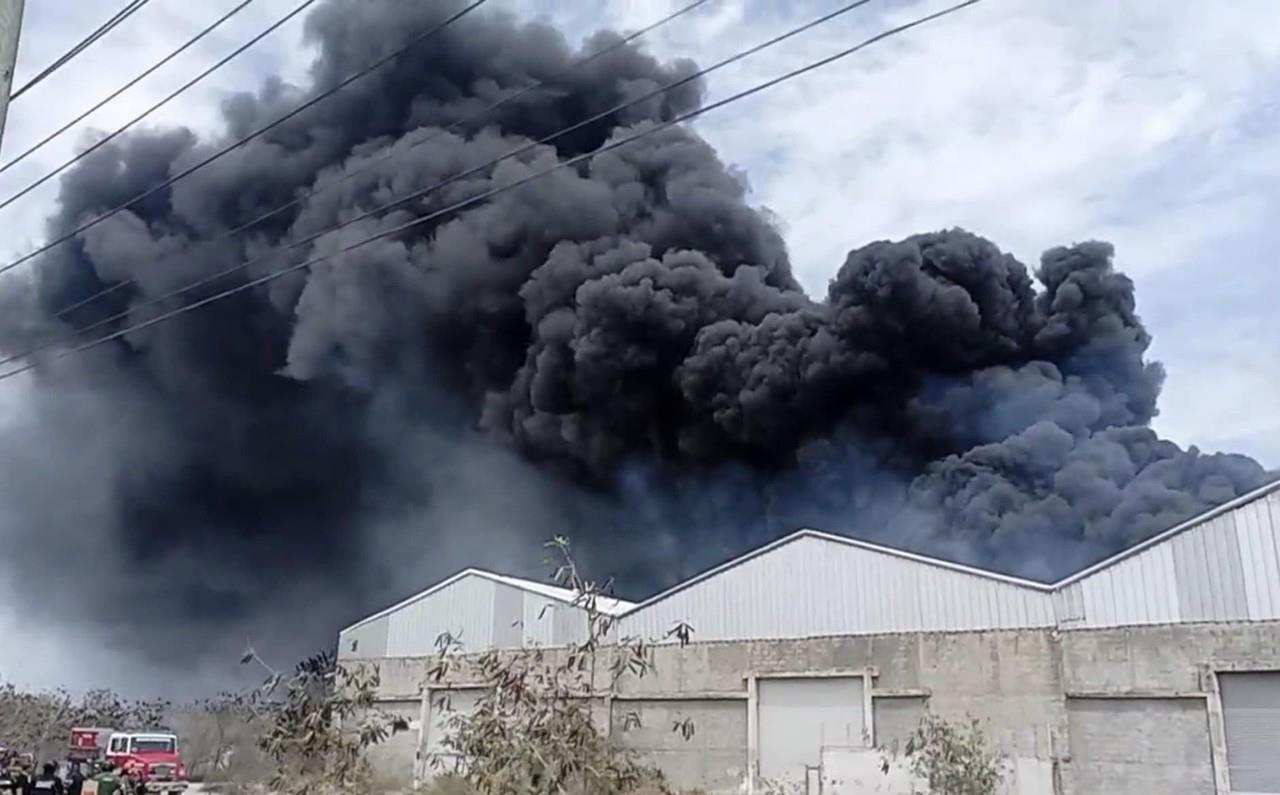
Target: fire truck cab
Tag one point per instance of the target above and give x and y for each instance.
(151, 757)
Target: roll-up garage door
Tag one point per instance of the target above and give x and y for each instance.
(1251, 712)
(798, 719)
(442, 706)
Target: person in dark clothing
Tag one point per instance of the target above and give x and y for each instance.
(47, 783)
(75, 779)
(21, 781)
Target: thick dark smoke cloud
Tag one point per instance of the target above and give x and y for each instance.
(619, 352)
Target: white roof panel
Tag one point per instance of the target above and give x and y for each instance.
(607, 606)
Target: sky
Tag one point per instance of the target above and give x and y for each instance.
(1035, 123)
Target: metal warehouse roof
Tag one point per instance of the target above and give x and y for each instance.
(606, 606)
(1222, 565)
(1193, 522)
(1160, 538)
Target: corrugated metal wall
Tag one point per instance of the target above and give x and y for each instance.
(811, 586)
(539, 615)
(1224, 569)
(464, 608)
(543, 621)
(366, 641)
(481, 613)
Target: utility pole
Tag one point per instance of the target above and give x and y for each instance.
(10, 25)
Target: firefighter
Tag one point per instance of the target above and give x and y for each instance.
(108, 781)
(47, 783)
(132, 784)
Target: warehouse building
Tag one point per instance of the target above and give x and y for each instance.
(1157, 670)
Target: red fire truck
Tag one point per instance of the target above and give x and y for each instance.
(151, 757)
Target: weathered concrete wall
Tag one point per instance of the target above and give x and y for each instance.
(713, 757)
(1172, 658)
(1108, 710)
(870, 772)
(1140, 745)
(896, 719)
(1144, 703)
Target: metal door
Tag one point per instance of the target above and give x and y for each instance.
(1251, 714)
(797, 719)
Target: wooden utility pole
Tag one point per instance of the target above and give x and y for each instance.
(10, 25)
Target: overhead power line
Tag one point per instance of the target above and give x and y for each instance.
(368, 69)
(136, 119)
(81, 46)
(485, 195)
(421, 193)
(139, 78)
(384, 156)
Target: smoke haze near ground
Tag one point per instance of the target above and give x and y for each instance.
(618, 353)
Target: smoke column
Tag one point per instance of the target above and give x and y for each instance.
(618, 352)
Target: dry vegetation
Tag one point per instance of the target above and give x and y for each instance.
(533, 731)
(40, 722)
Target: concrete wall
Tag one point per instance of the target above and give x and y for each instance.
(1076, 712)
(714, 757)
(1140, 745)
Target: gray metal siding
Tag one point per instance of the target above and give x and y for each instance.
(464, 608)
(1258, 531)
(1224, 569)
(1251, 714)
(568, 625)
(813, 586)
(508, 615)
(363, 642)
(539, 615)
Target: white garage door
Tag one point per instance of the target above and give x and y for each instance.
(800, 717)
(442, 707)
(393, 759)
(1251, 712)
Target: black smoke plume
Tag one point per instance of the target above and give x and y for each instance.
(618, 352)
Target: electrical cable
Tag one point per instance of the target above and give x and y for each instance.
(368, 69)
(272, 276)
(434, 187)
(81, 46)
(388, 154)
(114, 94)
(136, 119)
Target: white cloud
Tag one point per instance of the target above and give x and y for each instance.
(1035, 123)
(50, 27)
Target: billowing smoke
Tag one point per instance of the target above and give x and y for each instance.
(618, 352)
